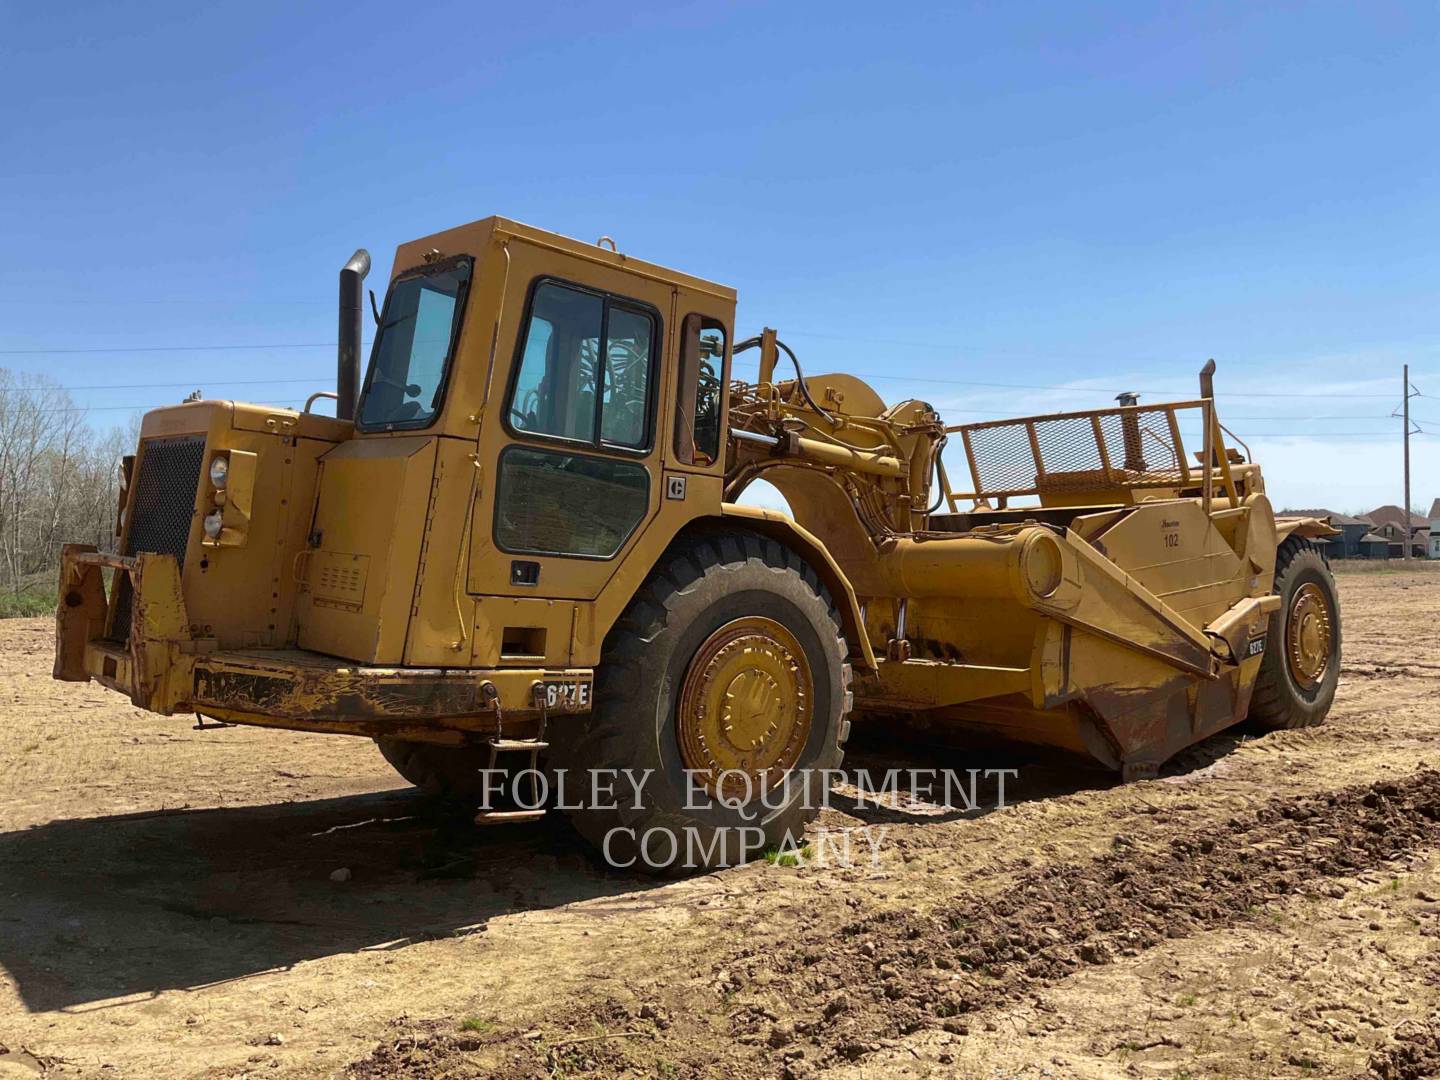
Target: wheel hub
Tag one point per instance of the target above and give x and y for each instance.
(1308, 633)
(745, 709)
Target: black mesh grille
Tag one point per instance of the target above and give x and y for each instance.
(161, 509)
(1137, 447)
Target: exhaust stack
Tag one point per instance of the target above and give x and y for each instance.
(347, 376)
(1130, 424)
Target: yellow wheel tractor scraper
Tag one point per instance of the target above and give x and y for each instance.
(519, 544)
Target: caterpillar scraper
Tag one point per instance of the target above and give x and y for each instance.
(520, 543)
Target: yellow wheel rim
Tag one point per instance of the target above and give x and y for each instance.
(745, 710)
(1308, 634)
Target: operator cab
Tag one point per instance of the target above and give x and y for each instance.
(534, 408)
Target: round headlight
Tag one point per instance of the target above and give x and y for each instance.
(219, 469)
(214, 522)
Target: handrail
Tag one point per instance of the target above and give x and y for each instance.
(1075, 451)
(1080, 414)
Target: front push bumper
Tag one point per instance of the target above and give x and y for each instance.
(161, 666)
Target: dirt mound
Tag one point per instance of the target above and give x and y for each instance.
(604, 1039)
(895, 973)
(900, 972)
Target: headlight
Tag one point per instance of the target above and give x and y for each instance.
(219, 469)
(214, 522)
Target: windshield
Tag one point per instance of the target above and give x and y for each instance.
(408, 364)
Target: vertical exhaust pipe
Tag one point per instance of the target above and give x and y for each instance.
(1130, 425)
(347, 375)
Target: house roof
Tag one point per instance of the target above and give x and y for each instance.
(1435, 510)
(1321, 512)
(1390, 514)
(1375, 538)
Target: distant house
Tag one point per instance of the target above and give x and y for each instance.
(1435, 529)
(1356, 541)
(1390, 523)
(1373, 546)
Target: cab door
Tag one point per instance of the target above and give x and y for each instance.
(571, 452)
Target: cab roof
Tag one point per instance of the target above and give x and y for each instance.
(473, 238)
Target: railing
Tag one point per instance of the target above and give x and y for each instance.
(1127, 447)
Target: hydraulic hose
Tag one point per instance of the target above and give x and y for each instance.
(935, 470)
(754, 342)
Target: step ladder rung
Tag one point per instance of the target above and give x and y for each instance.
(518, 744)
(507, 817)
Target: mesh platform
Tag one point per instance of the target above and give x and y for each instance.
(1136, 446)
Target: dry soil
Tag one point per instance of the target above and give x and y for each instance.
(1270, 907)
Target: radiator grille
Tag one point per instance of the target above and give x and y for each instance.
(161, 509)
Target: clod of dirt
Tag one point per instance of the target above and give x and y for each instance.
(341, 875)
(782, 1034)
(1413, 1054)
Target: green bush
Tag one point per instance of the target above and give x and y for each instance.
(27, 603)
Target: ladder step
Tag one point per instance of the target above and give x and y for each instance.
(518, 744)
(507, 817)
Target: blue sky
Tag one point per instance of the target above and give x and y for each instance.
(1090, 196)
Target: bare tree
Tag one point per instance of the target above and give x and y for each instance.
(59, 479)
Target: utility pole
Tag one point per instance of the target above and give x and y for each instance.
(1406, 540)
(1410, 429)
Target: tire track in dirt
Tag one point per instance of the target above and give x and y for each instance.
(833, 999)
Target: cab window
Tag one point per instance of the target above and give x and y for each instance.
(413, 347)
(584, 369)
(697, 411)
(552, 502)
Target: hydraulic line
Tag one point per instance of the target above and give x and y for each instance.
(754, 342)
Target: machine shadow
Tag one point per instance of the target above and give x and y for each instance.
(987, 776)
(103, 908)
(96, 909)
(911, 774)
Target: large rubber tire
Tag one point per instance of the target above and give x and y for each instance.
(447, 774)
(1279, 703)
(701, 584)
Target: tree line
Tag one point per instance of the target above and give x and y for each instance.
(59, 482)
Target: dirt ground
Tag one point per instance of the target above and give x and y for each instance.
(1269, 907)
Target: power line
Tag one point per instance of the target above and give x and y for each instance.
(165, 348)
(929, 380)
(147, 408)
(1162, 394)
(1252, 436)
(902, 378)
(1098, 390)
(92, 301)
(158, 385)
(1323, 433)
(323, 378)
